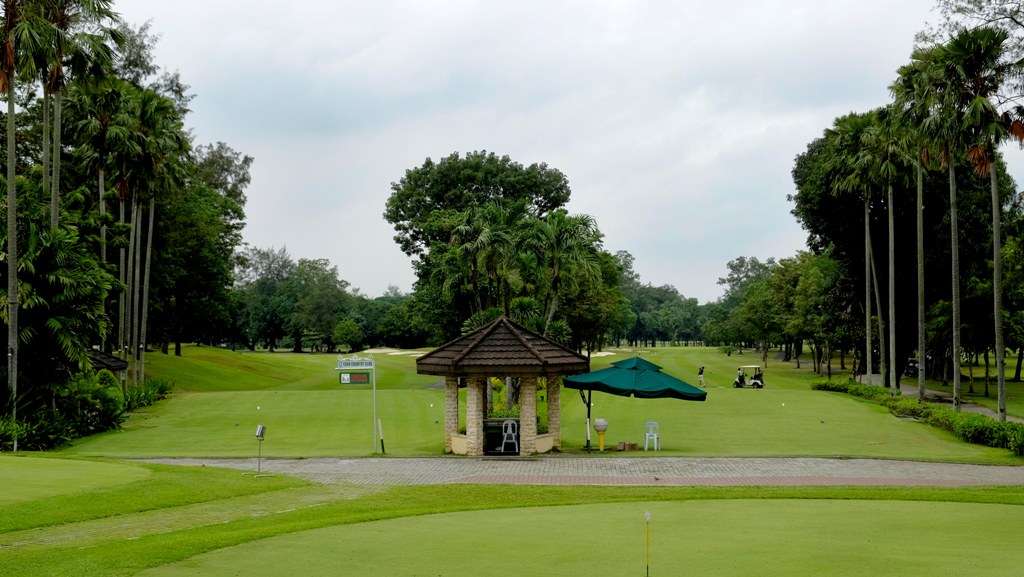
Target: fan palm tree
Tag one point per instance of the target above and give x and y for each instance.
(982, 69)
(81, 42)
(911, 93)
(889, 143)
(102, 127)
(853, 176)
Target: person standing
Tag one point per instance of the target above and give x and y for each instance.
(700, 376)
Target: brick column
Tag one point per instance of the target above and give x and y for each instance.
(451, 411)
(528, 415)
(475, 400)
(554, 397)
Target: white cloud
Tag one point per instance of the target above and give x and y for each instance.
(676, 122)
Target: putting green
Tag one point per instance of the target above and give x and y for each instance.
(28, 478)
(721, 537)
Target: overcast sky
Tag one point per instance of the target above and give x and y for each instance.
(676, 123)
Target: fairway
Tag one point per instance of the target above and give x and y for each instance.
(93, 517)
(27, 478)
(221, 396)
(731, 537)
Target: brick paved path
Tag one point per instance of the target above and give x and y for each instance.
(562, 470)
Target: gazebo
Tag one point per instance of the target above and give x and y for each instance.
(502, 348)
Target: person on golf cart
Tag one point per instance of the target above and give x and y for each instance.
(739, 376)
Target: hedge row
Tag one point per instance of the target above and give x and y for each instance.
(88, 404)
(970, 427)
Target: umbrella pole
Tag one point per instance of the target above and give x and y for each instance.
(589, 393)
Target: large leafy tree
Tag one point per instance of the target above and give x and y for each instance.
(429, 202)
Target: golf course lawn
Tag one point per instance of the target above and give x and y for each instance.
(88, 509)
(730, 537)
(25, 478)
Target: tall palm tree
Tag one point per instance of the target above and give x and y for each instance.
(82, 42)
(12, 24)
(911, 92)
(983, 71)
(889, 144)
(848, 133)
(102, 128)
(164, 145)
(968, 71)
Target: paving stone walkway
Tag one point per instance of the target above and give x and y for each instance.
(599, 470)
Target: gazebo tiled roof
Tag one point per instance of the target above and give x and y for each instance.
(502, 348)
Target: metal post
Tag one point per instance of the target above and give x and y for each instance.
(373, 380)
(590, 392)
(647, 518)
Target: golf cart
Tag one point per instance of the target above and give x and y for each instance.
(749, 376)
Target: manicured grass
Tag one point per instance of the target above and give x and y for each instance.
(767, 521)
(24, 478)
(721, 537)
(196, 520)
(131, 488)
(205, 369)
(299, 424)
(784, 419)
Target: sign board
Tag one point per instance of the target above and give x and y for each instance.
(354, 378)
(355, 363)
(356, 370)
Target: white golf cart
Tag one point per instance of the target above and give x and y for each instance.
(749, 376)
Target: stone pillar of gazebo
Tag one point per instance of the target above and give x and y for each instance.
(475, 409)
(528, 415)
(451, 411)
(554, 397)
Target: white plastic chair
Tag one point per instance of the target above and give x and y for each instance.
(652, 435)
(510, 434)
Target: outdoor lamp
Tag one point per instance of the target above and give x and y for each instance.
(600, 425)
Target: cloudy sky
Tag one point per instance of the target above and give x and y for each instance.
(676, 123)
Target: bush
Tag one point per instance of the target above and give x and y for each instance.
(146, 394)
(907, 407)
(979, 429)
(39, 432)
(1015, 438)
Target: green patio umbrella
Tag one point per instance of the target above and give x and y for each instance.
(633, 377)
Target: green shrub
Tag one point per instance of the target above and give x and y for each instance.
(979, 429)
(147, 393)
(1015, 438)
(907, 407)
(503, 413)
(941, 417)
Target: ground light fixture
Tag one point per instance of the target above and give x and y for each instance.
(600, 425)
(261, 432)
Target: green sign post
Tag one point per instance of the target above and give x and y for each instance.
(356, 370)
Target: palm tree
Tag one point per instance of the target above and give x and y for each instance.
(967, 72)
(912, 92)
(888, 142)
(82, 43)
(103, 128)
(565, 245)
(8, 71)
(148, 166)
(983, 69)
(848, 133)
